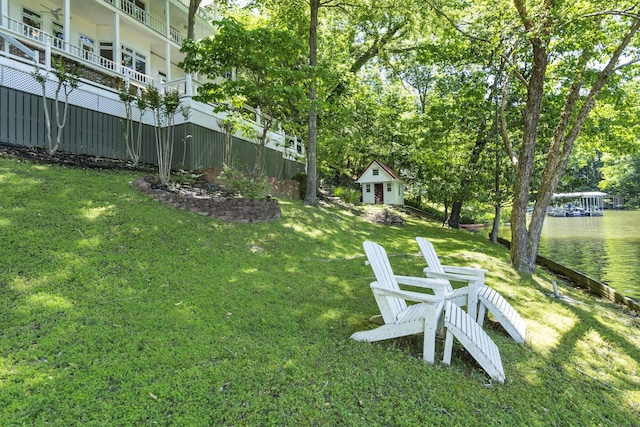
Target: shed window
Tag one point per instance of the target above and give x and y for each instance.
(375, 172)
(388, 186)
(368, 188)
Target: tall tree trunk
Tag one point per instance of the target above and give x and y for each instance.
(311, 198)
(521, 249)
(191, 19)
(520, 245)
(463, 191)
(446, 212)
(479, 147)
(456, 209)
(495, 229)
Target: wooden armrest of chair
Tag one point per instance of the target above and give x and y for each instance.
(452, 276)
(464, 270)
(408, 295)
(421, 282)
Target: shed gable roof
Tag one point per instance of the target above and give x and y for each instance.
(382, 166)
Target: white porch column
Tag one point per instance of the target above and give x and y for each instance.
(167, 60)
(216, 13)
(188, 86)
(4, 11)
(47, 54)
(167, 20)
(66, 13)
(117, 55)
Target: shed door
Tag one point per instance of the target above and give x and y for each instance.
(379, 194)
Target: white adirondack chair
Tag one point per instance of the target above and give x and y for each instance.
(425, 316)
(401, 319)
(477, 296)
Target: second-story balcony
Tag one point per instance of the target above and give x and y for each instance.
(160, 26)
(47, 41)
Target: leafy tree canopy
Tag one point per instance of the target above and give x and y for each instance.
(269, 64)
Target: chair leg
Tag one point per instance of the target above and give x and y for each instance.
(432, 321)
(429, 347)
(481, 313)
(448, 347)
(472, 301)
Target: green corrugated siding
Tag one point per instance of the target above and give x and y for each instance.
(98, 134)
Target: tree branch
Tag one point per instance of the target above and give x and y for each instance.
(626, 64)
(503, 123)
(567, 110)
(453, 24)
(476, 38)
(625, 13)
(602, 79)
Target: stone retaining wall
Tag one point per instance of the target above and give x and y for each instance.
(230, 209)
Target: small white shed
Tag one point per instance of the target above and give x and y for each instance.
(381, 185)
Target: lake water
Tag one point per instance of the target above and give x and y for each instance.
(605, 248)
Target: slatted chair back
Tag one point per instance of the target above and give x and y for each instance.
(475, 293)
(390, 307)
(430, 255)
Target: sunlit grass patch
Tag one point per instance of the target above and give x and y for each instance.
(46, 301)
(96, 212)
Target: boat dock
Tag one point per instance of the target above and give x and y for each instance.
(589, 203)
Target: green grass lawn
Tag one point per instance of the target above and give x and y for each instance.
(118, 310)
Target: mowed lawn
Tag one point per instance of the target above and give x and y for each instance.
(118, 310)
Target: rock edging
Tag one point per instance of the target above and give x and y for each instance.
(225, 208)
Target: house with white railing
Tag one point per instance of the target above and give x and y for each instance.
(137, 41)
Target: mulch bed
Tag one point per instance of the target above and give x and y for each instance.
(70, 159)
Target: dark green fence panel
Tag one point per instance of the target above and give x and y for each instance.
(94, 133)
(4, 114)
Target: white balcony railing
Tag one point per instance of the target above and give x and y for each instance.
(39, 37)
(176, 36)
(147, 19)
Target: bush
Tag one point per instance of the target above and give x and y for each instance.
(239, 182)
(349, 195)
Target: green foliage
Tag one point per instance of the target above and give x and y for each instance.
(270, 74)
(348, 194)
(621, 177)
(430, 210)
(118, 310)
(243, 183)
(269, 64)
